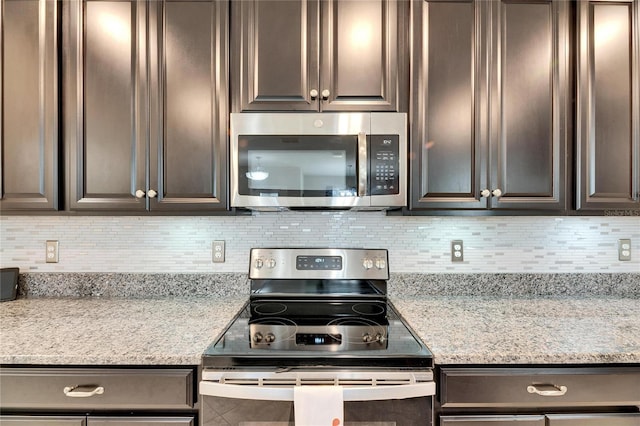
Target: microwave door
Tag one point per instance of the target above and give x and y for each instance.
(301, 170)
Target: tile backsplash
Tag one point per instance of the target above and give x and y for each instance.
(416, 244)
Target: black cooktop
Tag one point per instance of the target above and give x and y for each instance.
(402, 349)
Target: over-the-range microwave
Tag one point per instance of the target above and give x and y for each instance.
(318, 160)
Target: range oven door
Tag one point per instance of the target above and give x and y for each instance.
(371, 398)
(333, 160)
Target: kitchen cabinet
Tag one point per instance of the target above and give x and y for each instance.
(29, 154)
(491, 104)
(608, 106)
(315, 55)
(68, 396)
(145, 105)
(539, 396)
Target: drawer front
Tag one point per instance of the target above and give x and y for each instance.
(42, 421)
(140, 421)
(539, 387)
(67, 388)
(627, 419)
(492, 420)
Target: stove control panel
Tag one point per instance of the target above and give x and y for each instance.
(320, 263)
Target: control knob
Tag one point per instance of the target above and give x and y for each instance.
(366, 337)
(269, 338)
(367, 263)
(271, 263)
(259, 263)
(257, 337)
(381, 263)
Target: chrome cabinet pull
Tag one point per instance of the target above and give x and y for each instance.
(73, 392)
(547, 390)
(140, 193)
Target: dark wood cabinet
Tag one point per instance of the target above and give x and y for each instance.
(319, 55)
(608, 105)
(491, 102)
(29, 154)
(145, 105)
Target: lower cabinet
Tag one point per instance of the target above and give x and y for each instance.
(98, 396)
(616, 419)
(538, 396)
(95, 421)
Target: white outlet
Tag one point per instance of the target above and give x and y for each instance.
(218, 251)
(624, 249)
(457, 251)
(52, 251)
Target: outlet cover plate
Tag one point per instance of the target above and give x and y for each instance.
(217, 251)
(457, 251)
(624, 249)
(52, 251)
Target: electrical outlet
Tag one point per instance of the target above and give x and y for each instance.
(624, 249)
(457, 251)
(218, 251)
(52, 251)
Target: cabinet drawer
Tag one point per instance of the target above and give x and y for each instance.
(539, 387)
(109, 388)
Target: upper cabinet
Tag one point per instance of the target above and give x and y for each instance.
(608, 105)
(29, 154)
(145, 104)
(319, 55)
(490, 101)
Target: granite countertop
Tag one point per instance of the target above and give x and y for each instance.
(107, 331)
(458, 330)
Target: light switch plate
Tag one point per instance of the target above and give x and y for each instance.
(457, 251)
(218, 251)
(624, 249)
(52, 251)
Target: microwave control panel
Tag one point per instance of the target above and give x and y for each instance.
(384, 153)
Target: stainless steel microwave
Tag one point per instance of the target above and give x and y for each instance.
(318, 160)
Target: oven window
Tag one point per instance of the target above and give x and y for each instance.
(297, 166)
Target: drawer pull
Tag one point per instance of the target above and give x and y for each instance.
(547, 390)
(77, 392)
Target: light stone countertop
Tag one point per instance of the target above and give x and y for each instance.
(108, 331)
(552, 330)
(458, 330)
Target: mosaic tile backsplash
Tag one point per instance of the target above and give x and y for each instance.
(138, 244)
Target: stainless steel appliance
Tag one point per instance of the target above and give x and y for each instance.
(317, 317)
(318, 160)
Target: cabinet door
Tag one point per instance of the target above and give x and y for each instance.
(29, 108)
(618, 419)
(275, 55)
(529, 106)
(188, 89)
(493, 420)
(448, 160)
(363, 55)
(43, 420)
(140, 421)
(608, 105)
(105, 103)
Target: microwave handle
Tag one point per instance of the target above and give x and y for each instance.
(363, 164)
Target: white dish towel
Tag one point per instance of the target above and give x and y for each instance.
(318, 405)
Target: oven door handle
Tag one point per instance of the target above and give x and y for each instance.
(285, 393)
(363, 164)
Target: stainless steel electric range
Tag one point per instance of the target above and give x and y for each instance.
(317, 317)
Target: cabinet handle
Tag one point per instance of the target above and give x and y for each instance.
(485, 193)
(152, 193)
(71, 391)
(325, 94)
(313, 93)
(547, 390)
(496, 192)
(140, 193)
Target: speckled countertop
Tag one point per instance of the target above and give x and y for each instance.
(141, 319)
(100, 331)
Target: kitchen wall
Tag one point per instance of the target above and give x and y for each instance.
(416, 244)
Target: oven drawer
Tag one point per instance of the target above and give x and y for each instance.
(539, 387)
(96, 388)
